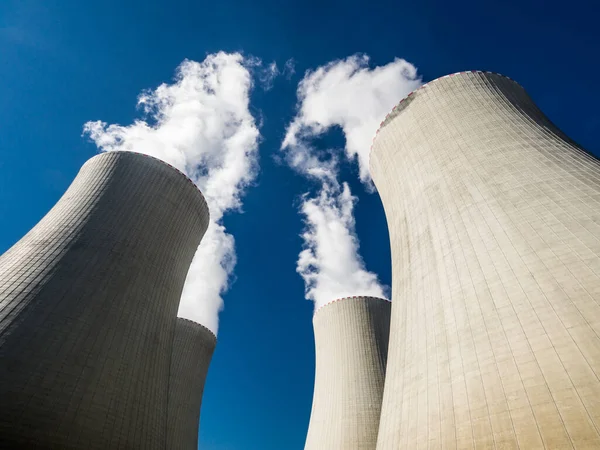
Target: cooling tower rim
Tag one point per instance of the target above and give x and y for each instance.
(199, 325)
(423, 86)
(188, 179)
(340, 299)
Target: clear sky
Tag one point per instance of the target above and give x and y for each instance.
(66, 62)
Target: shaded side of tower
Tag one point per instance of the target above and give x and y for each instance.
(88, 300)
(495, 235)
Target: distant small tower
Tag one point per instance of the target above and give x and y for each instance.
(351, 341)
(88, 306)
(193, 346)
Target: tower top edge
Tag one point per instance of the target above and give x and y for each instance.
(353, 297)
(199, 325)
(424, 86)
(144, 155)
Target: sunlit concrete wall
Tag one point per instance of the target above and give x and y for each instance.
(88, 301)
(351, 338)
(193, 346)
(494, 220)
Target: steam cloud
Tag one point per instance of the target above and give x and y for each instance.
(330, 263)
(348, 94)
(202, 125)
(266, 74)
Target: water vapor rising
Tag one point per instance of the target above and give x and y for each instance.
(348, 94)
(330, 263)
(202, 125)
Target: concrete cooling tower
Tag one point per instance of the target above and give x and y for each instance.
(88, 300)
(494, 220)
(351, 340)
(193, 347)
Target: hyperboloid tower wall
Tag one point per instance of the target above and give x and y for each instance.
(193, 347)
(88, 300)
(351, 340)
(495, 234)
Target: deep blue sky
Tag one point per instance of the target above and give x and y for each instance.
(64, 62)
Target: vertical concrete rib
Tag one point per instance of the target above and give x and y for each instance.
(193, 346)
(88, 300)
(351, 339)
(494, 219)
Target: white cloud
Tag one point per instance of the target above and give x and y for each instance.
(267, 75)
(330, 263)
(202, 125)
(289, 68)
(348, 94)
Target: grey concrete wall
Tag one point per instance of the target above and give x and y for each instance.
(193, 346)
(494, 219)
(88, 300)
(351, 338)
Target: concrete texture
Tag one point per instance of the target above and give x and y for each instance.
(88, 300)
(193, 346)
(494, 219)
(351, 338)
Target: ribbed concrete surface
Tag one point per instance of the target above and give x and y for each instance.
(494, 219)
(88, 300)
(351, 338)
(193, 346)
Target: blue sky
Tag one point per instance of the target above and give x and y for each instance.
(63, 63)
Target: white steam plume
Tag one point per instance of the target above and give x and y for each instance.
(202, 125)
(330, 263)
(348, 94)
(266, 75)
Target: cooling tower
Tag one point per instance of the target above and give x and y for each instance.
(351, 340)
(193, 346)
(494, 220)
(88, 300)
